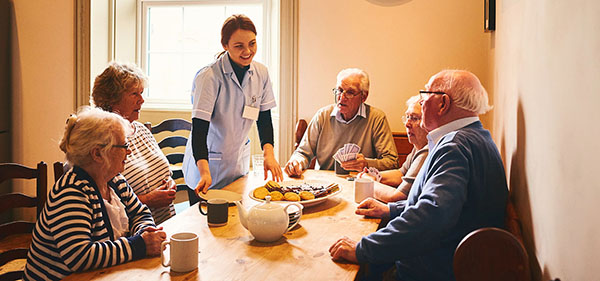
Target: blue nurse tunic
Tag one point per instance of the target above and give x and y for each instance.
(218, 98)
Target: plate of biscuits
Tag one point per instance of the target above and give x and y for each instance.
(306, 192)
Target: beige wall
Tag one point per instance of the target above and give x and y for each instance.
(546, 120)
(43, 78)
(399, 46)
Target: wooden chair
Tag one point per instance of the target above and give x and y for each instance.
(59, 170)
(301, 127)
(175, 159)
(403, 147)
(492, 253)
(16, 247)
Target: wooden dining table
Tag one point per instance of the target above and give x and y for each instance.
(230, 252)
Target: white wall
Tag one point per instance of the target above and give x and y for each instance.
(43, 79)
(546, 119)
(399, 46)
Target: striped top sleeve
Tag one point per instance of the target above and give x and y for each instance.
(146, 168)
(73, 232)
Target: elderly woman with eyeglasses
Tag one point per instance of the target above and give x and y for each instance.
(92, 218)
(119, 89)
(400, 181)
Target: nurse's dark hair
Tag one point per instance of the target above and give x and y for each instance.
(116, 79)
(231, 25)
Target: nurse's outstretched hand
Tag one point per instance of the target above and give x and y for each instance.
(205, 178)
(271, 163)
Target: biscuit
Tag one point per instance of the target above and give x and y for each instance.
(306, 195)
(290, 196)
(276, 196)
(272, 185)
(260, 193)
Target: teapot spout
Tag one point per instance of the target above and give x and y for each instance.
(243, 214)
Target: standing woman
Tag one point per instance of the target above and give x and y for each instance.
(119, 89)
(228, 95)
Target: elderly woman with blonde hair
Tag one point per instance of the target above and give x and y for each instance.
(119, 89)
(92, 218)
(398, 182)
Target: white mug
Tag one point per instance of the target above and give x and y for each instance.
(183, 252)
(363, 189)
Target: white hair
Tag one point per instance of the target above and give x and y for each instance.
(412, 100)
(91, 127)
(464, 88)
(364, 77)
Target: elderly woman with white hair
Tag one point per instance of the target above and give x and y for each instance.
(399, 181)
(92, 218)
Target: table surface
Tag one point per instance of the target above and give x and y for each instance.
(230, 252)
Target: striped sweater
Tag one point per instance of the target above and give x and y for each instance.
(74, 233)
(146, 167)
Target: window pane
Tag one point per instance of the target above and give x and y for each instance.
(165, 75)
(164, 29)
(202, 28)
(183, 38)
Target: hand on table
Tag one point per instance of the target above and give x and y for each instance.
(294, 168)
(153, 237)
(272, 165)
(372, 208)
(357, 164)
(344, 249)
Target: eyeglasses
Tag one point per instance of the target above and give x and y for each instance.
(425, 94)
(125, 146)
(411, 118)
(348, 93)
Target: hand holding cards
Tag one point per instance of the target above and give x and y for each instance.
(346, 153)
(372, 171)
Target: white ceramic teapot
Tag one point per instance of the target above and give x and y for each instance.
(267, 221)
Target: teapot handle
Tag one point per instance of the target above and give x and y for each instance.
(298, 220)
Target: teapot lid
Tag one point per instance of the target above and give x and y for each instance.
(268, 206)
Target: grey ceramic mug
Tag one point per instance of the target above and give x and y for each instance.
(216, 211)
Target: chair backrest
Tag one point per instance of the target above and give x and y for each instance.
(175, 159)
(403, 147)
(17, 250)
(491, 254)
(171, 125)
(59, 170)
(301, 127)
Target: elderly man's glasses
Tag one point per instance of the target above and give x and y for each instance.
(347, 93)
(411, 118)
(424, 94)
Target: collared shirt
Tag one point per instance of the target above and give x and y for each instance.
(362, 112)
(435, 135)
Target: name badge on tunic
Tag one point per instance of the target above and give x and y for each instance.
(250, 112)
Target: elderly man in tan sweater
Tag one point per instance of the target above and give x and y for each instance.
(349, 120)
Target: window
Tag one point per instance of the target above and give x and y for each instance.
(179, 38)
(166, 37)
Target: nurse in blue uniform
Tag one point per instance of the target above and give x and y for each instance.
(228, 96)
